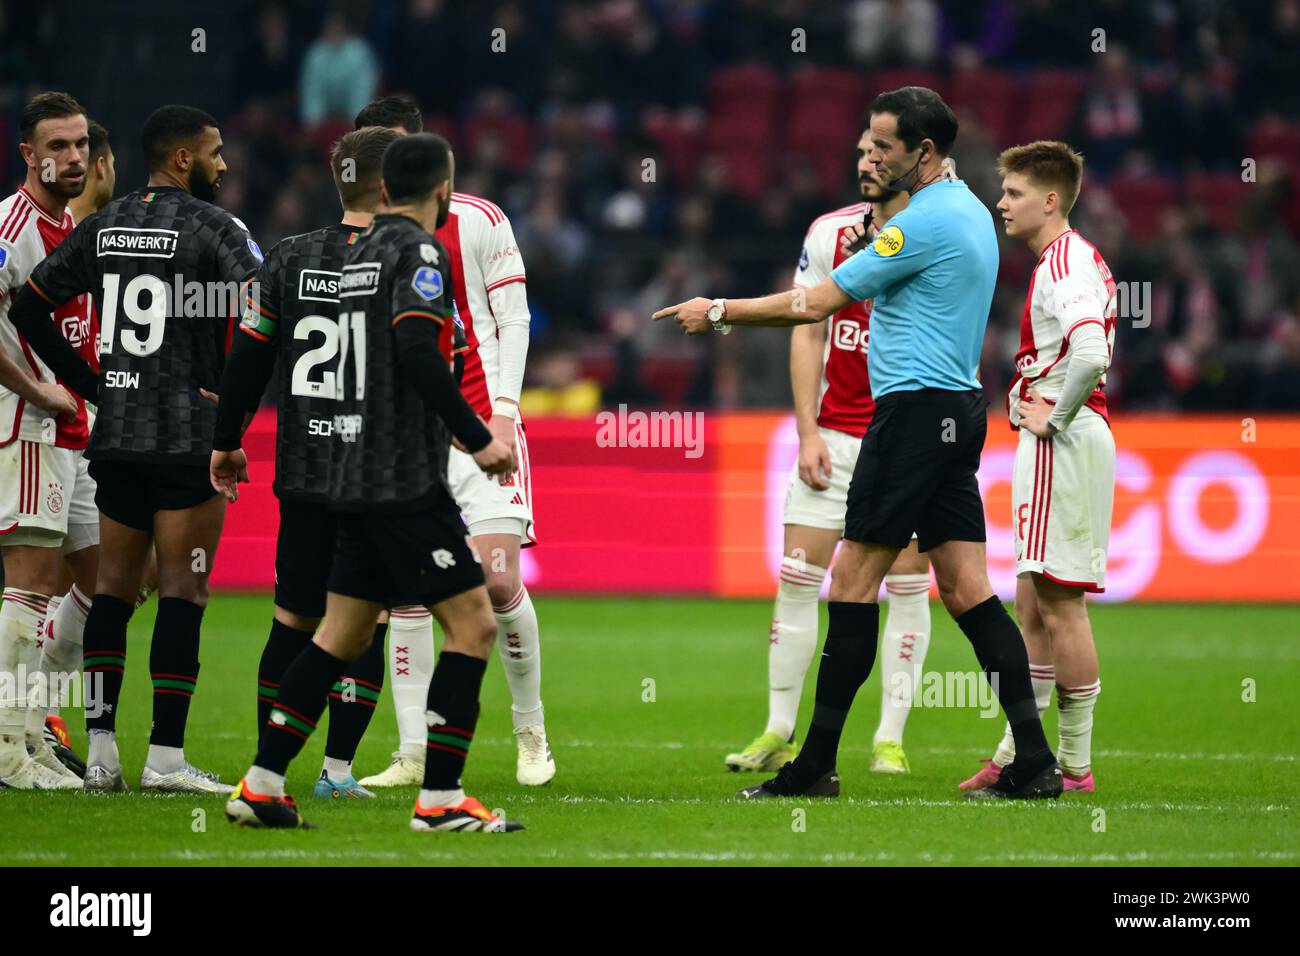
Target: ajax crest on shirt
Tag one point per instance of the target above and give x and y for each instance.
(427, 282)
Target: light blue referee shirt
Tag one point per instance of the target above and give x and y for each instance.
(931, 271)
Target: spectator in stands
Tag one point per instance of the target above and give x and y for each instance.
(893, 32)
(339, 73)
(1111, 113)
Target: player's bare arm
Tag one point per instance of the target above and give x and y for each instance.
(806, 347)
(793, 307)
(47, 396)
(30, 314)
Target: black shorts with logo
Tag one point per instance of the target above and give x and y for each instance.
(304, 553)
(131, 492)
(916, 471)
(398, 559)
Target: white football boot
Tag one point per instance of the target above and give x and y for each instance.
(535, 765)
(404, 771)
(29, 775)
(44, 755)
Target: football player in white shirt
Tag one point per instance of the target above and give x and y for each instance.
(63, 631)
(489, 283)
(47, 508)
(1064, 475)
(833, 405)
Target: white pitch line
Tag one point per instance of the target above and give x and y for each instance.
(696, 856)
(1065, 805)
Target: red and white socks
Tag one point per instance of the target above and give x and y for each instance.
(902, 651)
(520, 649)
(791, 642)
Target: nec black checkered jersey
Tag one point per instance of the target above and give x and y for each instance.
(133, 256)
(390, 445)
(293, 307)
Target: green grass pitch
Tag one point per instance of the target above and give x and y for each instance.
(1189, 773)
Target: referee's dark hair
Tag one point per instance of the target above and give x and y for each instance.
(414, 166)
(99, 145)
(922, 114)
(168, 127)
(390, 111)
(355, 161)
(43, 106)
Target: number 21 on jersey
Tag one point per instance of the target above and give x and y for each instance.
(347, 334)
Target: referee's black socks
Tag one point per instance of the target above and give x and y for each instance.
(847, 659)
(1001, 651)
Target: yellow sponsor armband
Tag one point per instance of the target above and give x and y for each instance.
(889, 242)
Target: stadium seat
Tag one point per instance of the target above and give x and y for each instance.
(1048, 104)
(444, 126)
(1274, 139)
(515, 133)
(815, 87)
(678, 139)
(754, 91)
(886, 80)
(1142, 200)
(992, 96)
(1220, 194)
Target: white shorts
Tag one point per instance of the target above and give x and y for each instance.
(47, 497)
(489, 505)
(825, 508)
(1062, 494)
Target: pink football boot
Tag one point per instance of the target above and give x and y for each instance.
(1082, 784)
(987, 776)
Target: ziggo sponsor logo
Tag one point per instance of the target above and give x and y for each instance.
(1138, 544)
(1140, 534)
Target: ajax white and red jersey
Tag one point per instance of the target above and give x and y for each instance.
(484, 257)
(1071, 286)
(27, 235)
(844, 401)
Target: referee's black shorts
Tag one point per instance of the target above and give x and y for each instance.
(917, 469)
(304, 553)
(395, 560)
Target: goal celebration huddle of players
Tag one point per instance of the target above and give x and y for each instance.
(399, 334)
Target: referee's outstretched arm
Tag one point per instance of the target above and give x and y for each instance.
(795, 307)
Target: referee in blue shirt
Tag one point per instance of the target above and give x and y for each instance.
(930, 271)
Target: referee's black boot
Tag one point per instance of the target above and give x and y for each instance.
(1031, 779)
(788, 782)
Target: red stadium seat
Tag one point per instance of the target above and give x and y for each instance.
(1143, 200)
(515, 133)
(992, 96)
(887, 80)
(814, 87)
(752, 91)
(678, 139)
(1220, 194)
(1048, 104)
(748, 169)
(444, 126)
(1274, 139)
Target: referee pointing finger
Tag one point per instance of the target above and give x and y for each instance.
(931, 272)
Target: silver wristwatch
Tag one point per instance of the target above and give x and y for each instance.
(718, 316)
